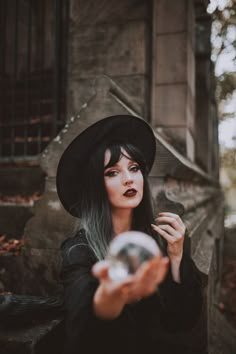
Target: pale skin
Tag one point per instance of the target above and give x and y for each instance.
(110, 296)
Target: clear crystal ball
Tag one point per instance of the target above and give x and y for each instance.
(128, 251)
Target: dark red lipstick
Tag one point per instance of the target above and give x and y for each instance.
(130, 192)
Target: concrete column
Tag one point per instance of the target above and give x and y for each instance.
(109, 38)
(173, 86)
(215, 145)
(204, 125)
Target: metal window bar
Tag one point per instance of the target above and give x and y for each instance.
(41, 65)
(2, 63)
(14, 80)
(28, 69)
(57, 34)
(28, 130)
(65, 50)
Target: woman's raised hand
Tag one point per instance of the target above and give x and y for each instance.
(111, 296)
(172, 230)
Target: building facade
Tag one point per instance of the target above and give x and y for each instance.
(67, 64)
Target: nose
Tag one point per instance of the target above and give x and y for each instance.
(127, 178)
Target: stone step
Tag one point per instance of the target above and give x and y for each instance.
(13, 218)
(20, 186)
(21, 180)
(45, 337)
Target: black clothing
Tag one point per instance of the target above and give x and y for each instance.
(142, 326)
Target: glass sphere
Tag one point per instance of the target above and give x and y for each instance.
(128, 251)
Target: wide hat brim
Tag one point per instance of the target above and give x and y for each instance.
(122, 128)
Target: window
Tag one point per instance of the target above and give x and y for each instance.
(33, 38)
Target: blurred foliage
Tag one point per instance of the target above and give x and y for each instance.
(225, 22)
(224, 41)
(228, 157)
(226, 85)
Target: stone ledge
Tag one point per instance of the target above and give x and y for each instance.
(18, 180)
(36, 338)
(169, 162)
(202, 215)
(18, 214)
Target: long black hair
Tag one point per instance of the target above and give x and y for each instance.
(96, 217)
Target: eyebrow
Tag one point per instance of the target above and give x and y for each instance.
(106, 168)
(116, 164)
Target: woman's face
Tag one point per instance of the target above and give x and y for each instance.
(123, 182)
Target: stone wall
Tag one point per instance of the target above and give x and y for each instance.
(109, 38)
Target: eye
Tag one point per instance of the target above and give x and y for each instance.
(111, 173)
(134, 168)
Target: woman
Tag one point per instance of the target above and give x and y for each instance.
(102, 180)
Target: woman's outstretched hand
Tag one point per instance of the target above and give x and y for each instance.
(111, 296)
(172, 229)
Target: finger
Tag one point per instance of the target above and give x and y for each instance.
(146, 266)
(148, 269)
(100, 269)
(126, 290)
(132, 291)
(147, 279)
(142, 270)
(165, 235)
(167, 219)
(171, 231)
(121, 286)
(156, 265)
(127, 282)
(141, 288)
(175, 216)
(174, 230)
(162, 263)
(147, 283)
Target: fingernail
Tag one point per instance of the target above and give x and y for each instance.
(153, 225)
